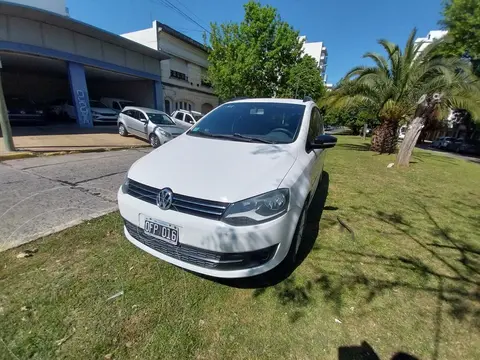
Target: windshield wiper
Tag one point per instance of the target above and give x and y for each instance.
(252, 138)
(235, 137)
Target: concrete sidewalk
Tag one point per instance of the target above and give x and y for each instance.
(66, 138)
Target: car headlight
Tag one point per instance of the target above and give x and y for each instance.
(164, 133)
(258, 209)
(125, 184)
(39, 112)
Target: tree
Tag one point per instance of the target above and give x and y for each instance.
(408, 84)
(303, 79)
(253, 58)
(352, 116)
(462, 19)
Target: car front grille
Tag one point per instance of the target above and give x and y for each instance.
(181, 203)
(200, 257)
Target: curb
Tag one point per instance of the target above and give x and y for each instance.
(29, 154)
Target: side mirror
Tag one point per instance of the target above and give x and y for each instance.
(324, 142)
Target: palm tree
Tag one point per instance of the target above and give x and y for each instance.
(408, 85)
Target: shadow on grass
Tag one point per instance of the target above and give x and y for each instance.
(447, 268)
(423, 155)
(355, 147)
(365, 352)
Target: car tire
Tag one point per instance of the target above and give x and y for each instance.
(288, 264)
(122, 131)
(154, 141)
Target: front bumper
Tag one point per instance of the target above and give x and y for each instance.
(106, 119)
(208, 246)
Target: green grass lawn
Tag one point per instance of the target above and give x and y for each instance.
(407, 281)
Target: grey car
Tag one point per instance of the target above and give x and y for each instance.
(149, 124)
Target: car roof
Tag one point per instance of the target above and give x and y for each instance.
(144, 109)
(189, 111)
(271, 100)
(116, 99)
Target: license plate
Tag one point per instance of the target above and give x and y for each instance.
(161, 230)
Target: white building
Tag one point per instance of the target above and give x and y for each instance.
(56, 6)
(318, 51)
(183, 75)
(430, 38)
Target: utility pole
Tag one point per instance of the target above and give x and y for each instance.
(4, 122)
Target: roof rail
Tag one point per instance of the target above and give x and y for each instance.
(307, 98)
(238, 98)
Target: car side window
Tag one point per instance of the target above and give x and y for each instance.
(179, 116)
(189, 119)
(128, 113)
(315, 126)
(141, 116)
(116, 106)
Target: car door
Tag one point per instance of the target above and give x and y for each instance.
(136, 125)
(143, 124)
(189, 119)
(131, 121)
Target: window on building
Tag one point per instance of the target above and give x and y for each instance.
(167, 106)
(189, 107)
(178, 75)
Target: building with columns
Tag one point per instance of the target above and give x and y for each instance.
(47, 56)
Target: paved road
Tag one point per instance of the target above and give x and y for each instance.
(39, 196)
(471, 158)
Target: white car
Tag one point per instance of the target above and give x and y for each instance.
(190, 117)
(116, 104)
(229, 197)
(100, 112)
(149, 124)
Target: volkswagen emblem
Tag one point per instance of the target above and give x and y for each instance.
(164, 199)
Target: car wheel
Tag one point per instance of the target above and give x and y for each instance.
(154, 141)
(122, 131)
(289, 262)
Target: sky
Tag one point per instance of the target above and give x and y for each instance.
(349, 28)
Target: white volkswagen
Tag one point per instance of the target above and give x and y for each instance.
(228, 198)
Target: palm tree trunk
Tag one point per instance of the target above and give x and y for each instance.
(384, 139)
(409, 142)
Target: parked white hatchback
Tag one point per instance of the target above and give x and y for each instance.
(228, 198)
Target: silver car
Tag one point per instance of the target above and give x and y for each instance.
(149, 124)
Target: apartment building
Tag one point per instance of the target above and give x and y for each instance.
(319, 52)
(184, 73)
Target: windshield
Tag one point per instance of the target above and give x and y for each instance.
(126, 103)
(97, 104)
(273, 122)
(160, 119)
(197, 117)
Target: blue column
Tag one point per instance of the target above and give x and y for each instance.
(158, 96)
(80, 99)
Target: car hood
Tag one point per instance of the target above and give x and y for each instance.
(214, 169)
(172, 129)
(104, 111)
